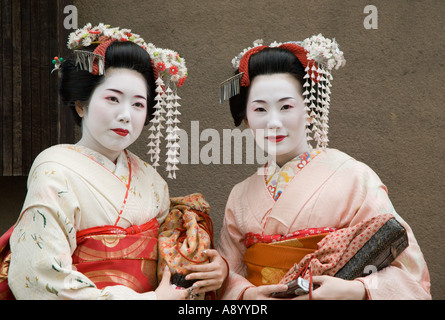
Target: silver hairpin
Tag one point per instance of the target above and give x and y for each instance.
(85, 60)
(230, 87)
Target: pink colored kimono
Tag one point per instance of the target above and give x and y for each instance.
(332, 191)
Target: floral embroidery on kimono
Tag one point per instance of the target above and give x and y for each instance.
(278, 178)
(72, 188)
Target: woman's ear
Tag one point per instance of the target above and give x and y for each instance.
(309, 120)
(246, 122)
(80, 108)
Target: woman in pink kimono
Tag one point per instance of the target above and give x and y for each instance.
(304, 192)
(89, 224)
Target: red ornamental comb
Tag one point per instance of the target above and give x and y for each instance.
(299, 52)
(101, 50)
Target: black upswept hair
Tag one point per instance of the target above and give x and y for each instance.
(78, 85)
(267, 61)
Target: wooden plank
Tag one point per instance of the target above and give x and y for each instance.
(30, 115)
(66, 122)
(35, 79)
(1, 90)
(44, 65)
(17, 164)
(53, 78)
(26, 87)
(7, 87)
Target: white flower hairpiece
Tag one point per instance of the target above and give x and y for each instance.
(237, 59)
(168, 67)
(166, 61)
(324, 51)
(319, 49)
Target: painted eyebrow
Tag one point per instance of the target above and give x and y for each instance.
(282, 99)
(121, 93)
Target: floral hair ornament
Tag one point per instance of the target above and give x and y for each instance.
(170, 73)
(57, 62)
(319, 56)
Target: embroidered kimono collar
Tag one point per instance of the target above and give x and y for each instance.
(277, 178)
(278, 216)
(119, 169)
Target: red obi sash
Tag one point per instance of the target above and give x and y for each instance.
(112, 255)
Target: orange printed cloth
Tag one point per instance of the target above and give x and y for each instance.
(185, 234)
(111, 255)
(267, 263)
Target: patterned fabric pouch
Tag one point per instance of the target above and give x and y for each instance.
(346, 253)
(184, 236)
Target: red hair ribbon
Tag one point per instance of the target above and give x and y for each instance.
(155, 69)
(244, 64)
(299, 52)
(101, 50)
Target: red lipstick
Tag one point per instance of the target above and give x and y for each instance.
(121, 132)
(276, 138)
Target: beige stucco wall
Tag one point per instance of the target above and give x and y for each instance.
(387, 103)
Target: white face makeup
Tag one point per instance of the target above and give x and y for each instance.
(115, 115)
(275, 113)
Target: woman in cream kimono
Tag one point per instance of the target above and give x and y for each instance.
(89, 224)
(302, 193)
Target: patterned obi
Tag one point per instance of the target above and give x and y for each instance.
(112, 255)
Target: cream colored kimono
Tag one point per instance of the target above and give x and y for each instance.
(72, 188)
(332, 190)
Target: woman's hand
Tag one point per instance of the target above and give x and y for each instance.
(263, 292)
(211, 275)
(332, 288)
(165, 291)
